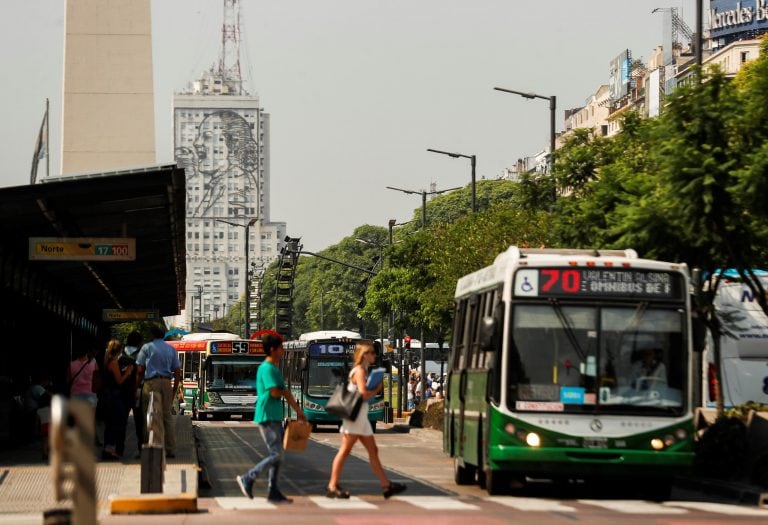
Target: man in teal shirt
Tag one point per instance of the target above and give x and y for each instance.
(270, 390)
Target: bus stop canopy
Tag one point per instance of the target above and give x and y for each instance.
(145, 204)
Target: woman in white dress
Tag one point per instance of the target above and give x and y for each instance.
(360, 429)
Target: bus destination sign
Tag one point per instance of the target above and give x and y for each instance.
(331, 349)
(598, 282)
(237, 347)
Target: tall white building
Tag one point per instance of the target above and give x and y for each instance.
(221, 137)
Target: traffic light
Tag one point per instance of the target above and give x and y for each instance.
(407, 341)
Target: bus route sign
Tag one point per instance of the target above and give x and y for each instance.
(123, 316)
(598, 282)
(82, 249)
(236, 347)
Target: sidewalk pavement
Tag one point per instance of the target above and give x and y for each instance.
(26, 486)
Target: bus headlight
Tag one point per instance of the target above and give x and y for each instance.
(312, 406)
(657, 444)
(533, 439)
(510, 428)
(214, 397)
(681, 434)
(669, 440)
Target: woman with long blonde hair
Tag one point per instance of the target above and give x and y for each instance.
(360, 429)
(117, 411)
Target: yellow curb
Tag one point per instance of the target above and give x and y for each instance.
(154, 504)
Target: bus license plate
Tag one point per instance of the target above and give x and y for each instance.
(595, 442)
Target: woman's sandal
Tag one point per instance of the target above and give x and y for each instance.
(337, 493)
(394, 488)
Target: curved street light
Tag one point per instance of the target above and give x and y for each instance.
(473, 160)
(552, 110)
(424, 201)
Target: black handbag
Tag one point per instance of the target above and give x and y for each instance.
(343, 403)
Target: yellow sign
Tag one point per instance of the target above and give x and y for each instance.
(81, 249)
(120, 316)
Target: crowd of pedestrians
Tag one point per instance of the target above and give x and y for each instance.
(418, 391)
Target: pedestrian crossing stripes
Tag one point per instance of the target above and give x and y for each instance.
(353, 502)
(437, 502)
(523, 504)
(634, 506)
(531, 504)
(721, 508)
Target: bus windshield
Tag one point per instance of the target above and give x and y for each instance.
(597, 359)
(324, 374)
(231, 373)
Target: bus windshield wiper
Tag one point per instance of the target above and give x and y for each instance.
(568, 328)
(634, 321)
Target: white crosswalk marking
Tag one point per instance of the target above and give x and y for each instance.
(719, 508)
(244, 503)
(21, 519)
(530, 504)
(341, 504)
(633, 506)
(452, 503)
(437, 502)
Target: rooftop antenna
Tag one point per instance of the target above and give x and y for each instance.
(229, 60)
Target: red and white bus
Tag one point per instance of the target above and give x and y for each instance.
(219, 375)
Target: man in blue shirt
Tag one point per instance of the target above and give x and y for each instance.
(160, 370)
(270, 390)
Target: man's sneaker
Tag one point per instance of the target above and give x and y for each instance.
(278, 498)
(394, 488)
(245, 488)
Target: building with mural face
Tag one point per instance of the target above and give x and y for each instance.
(221, 138)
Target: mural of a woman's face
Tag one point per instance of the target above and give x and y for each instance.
(205, 142)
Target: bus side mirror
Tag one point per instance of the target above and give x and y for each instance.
(488, 333)
(699, 329)
(303, 363)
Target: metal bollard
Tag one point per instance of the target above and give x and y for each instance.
(388, 413)
(153, 451)
(71, 443)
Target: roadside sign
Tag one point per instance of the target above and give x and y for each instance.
(121, 316)
(82, 249)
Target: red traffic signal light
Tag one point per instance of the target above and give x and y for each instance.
(407, 340)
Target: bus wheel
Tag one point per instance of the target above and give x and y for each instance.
(496, 481)
(463, 475)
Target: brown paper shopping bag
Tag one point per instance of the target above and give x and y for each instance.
(296, 435)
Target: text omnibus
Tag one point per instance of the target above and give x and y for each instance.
(570, 364)
(314, 364)
(226, 377)
(743, 345)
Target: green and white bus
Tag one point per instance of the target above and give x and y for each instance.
(314, 364)
(570, 364)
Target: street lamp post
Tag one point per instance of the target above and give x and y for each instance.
(247, 226)
(199, 305)
(552, 109)
(473, 160)
(423, 204)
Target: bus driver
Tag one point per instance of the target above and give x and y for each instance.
(648, 371)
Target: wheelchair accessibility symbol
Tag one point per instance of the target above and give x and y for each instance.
(526, 286)
(527, 283)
